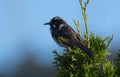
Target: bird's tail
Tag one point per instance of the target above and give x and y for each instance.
(88, 51)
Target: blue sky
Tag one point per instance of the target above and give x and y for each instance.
(21, 27)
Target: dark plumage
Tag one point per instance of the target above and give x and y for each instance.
(65, 36)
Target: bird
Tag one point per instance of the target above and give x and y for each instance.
(65, 36)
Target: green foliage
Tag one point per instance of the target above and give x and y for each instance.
(75, 63)
(77, 23)
(117, 64)
(84, 8)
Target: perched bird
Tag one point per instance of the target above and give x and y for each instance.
(65, 36)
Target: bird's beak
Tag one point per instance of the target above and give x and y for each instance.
(48, 23)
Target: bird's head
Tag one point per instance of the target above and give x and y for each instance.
(56, 23)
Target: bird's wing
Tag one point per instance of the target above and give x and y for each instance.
(67, 36)
(75, 39)
(68, 33)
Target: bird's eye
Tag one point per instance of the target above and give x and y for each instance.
(55, 24)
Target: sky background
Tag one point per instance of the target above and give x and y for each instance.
(23, 35)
